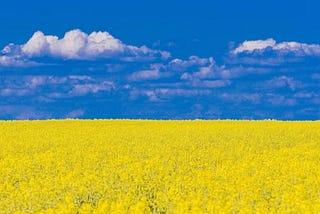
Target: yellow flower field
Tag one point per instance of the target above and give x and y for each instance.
(137, 166)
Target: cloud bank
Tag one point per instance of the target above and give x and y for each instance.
(96, 75)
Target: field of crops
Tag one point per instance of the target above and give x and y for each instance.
(123, 166)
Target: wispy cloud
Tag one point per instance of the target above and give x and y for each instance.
(75, 113)
(145, 75)
(16, 61)
(90, 88)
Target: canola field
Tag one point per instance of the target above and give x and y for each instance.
(137, 166)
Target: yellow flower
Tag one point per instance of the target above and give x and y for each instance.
(127, 166)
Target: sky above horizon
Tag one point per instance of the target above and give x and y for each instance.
(160, 60)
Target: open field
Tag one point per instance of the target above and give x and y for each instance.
(119, 166)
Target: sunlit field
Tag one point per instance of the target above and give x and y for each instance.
(123, 166)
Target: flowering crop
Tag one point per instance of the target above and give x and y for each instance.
(127, 166)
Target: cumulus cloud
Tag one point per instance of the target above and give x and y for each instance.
(201, 68)
(182, 65)
(250, 46)
(78, 45)
(260, 46)
(191, 72)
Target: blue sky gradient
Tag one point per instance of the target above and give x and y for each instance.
(160, 60)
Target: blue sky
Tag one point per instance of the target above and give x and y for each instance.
(160, 60)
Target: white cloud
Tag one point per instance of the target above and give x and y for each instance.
(37, 45)
(145, 75)
(206, 71)
(93, 88)
(250, 46)
(101, 42)
(261, 61)
(182, 65)
(16, 61)
(192, 69)
(78, 45)
(160, 94)
(216, 83)
(60, 86)
(180, 92)
(242, 97)
(197, 68)
(36, 81)
(280, 82)
(297, 48)
(80, 77)
(304, 94)
(280, 100)
(238, 71)
(19, 92)
(23, 112)
(75, 113)
(30, 85)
